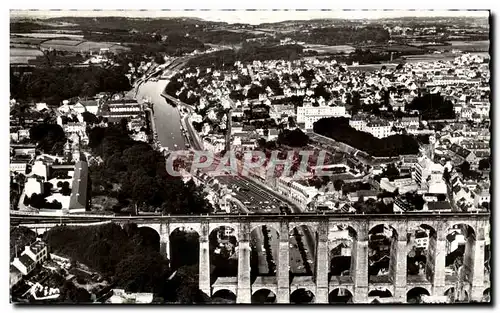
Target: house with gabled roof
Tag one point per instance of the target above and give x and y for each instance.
(463, 153)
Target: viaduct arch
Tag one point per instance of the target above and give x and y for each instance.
(358, 283)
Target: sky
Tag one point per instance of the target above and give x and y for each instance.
(250, 17)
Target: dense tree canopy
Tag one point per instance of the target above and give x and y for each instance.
(133, 171)
(432, 107)
(339, 129)
(249, 52)
(293, 138)
(54, 84)
(342, 35)
(119, 255)
(484, 164)
(50, 138)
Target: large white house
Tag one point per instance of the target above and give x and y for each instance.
(309, 114)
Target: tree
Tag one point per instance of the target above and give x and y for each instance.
(65, 189)
(446, 175)
(465, 168)
(159, 59)
(391, 171)
(294, 138)
(484, 164)
(89, 118)
(49, 137)
(340, 130)
(337, 184)
(432, 107)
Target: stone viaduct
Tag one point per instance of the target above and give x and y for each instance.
(359, 283)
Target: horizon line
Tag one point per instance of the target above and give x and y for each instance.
(251, 16)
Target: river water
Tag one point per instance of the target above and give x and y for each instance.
(166, 117)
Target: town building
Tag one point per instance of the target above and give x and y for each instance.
(34, 254)
(299, 192)
(309, 114)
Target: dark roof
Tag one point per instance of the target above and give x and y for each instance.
(26, 260)
(439, 206)
(460, 151)
(366, 193)
(403, 204)
(421, 234)
(78, 199)
(37, 246)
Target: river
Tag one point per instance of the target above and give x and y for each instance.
(167, 119)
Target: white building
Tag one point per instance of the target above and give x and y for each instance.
(309, 114)
(32, 255)
(428, 173)
(379, 129)
(481, 195)
(422, 239)
(300, 194)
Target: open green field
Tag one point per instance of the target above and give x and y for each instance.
(22, 55)
(393, 48)
(466, 46)
(26, 40)
(480, 45)
(61, 42)
(49, 35)
(81, 46)
(330, 49)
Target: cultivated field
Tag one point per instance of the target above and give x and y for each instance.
(49, 35)
(465, 46)
(480, 45)
(26, 40)
(60, 42)
(81, 46)
(22, 55)
(330, 49)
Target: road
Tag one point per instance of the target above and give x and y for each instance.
(259, 199)
(252, 195)
(167, 119)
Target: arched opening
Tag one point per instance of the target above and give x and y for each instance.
(486, 295)
(149, 238)
(380, 293)
(302, 296)
(380, 242)
(414, 295)
(263, 296)
(421, 243)
(302, 245)
(340, 295)
(459, 241)
(450, 294)
(342, 237)
(264, 257)
(223, 257)
(184, 247)
(224, 296)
